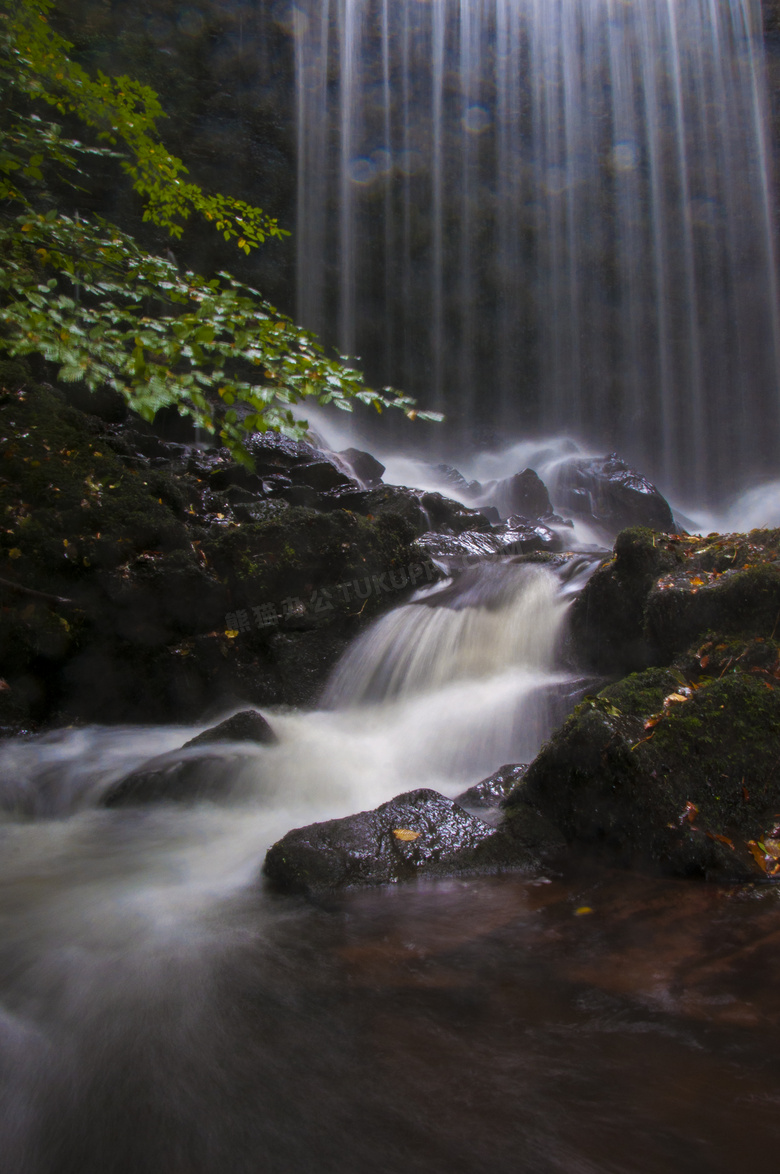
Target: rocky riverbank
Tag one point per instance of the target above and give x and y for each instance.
(145, 579)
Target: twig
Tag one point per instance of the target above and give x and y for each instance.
(42, 595)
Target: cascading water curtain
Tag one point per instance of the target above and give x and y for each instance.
(550, 215)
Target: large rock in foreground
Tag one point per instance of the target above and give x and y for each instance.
(681, 778)
(420, 833)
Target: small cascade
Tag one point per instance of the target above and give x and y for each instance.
(547, 215)
(496, 619)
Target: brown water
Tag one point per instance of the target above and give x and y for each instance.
(162, 1013)
(469, 1026)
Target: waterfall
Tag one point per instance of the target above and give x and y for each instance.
(550, 215)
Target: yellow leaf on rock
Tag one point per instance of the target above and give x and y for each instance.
(14, 552)
(405, 834)
(583, 911)
(231, 633)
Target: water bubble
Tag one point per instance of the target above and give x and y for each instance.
(382, 161)
(625, 155)
(361, 170)
(705, 213)
(292, 19)
(476, 120)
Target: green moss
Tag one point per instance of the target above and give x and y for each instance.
(67, 503)
(642, 694)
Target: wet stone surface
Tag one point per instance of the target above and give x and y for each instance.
(420, 833)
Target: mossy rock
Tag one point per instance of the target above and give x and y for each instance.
(659, 593)
(677, 778)
(607, 617)
(684, 606)
(307, 556)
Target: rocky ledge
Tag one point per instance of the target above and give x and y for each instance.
(674, 768)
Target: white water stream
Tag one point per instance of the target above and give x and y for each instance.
(112, 921)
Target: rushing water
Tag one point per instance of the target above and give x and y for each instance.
(547, 214)
(161, 1012)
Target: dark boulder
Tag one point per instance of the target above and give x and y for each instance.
(612, 493)
(607, 618)
(455, 549)
(320, 475)
(274, 453)
(524, 493)
(451, 516)
(172, 778)
(397, 500)
(230, 473)
(687, 603)
(449, 476)
(493, 790)
(524, 536)
(345, 497)
(246, 726)
(304, 661)
(660, 593)
(416, 834)
(679, 778)
(365, 467)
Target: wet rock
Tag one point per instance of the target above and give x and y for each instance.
(274, 453)
(689, 602)
(608, 490)
(492, 790)
(397, 500)
(655, 773)
(365, 467)
(451, 476)
(607, 617)
(458, 547)
(301, 495)
(172, 778)
(246, 726)
(276, 484)
(233, 474)
(525, 536)
(659, 594)
(418, 834)
(346, 497)
(524, 494)
(320, 475)
(304, 660)
(156, 565)
(448, 515)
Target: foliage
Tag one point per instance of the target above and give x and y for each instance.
(84, 294)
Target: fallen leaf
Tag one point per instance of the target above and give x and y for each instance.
(405, 834)
(674, 699)
(722, 840)
(757, 854)
(690, 812)
(771, 848)
(583, 911)
(704, 661)
(653, 721)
